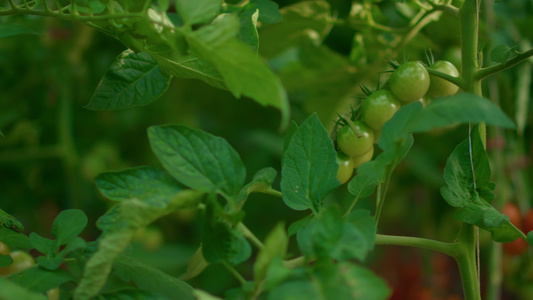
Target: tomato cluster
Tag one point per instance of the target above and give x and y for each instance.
(408, 83)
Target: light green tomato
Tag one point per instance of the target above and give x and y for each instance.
(440, 87)
(359, 160)
(355, 144)
(409, 82)
(345, 167)
(378, 108)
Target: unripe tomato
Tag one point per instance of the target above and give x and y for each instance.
(378, 108)
(21, 261)
(53, 294)
(352, 144)
(4, 249)
(409, 82)
(439, 87)
(359, 160)
(345, 167)
(527, 221)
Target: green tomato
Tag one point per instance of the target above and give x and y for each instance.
(4, 249)
(355, 144)
(21, 261)
(345, 167)
(409, 82)
(438, 86)
(378, 108)
(359, 160)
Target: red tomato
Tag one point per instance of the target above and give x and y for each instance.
(513, 212)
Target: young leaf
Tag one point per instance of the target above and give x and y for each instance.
(7, 30)
(309, 170)
(248, 27)
(262, 181)
(150, 279)
(243, 71)
(460, 108)
(147, 183)
(331, 236)
(134, 79)
(198, 159)
(501, 53)
(68, 225)
(198, 11)
(472, 196)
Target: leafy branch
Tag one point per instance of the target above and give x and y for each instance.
(488, 71)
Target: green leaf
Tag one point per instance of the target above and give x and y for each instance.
(196, 265)
(366, 224)
(7, 30)
(198, 159)
(87, 6)
(5, 260)
(14, 240)
(9, 221)
(198, 11)
(501, 53)
(275, 245)
(9, 290)
(43, 245)
(248, 27)
(460, 108)
(244, 72)
(221, 243)
(331, 236)
(472, 197)
(134, 79)
(151, 279)
(268, 11)
(146, 183)
(293, 127)
(309, 167)
(68, 225)
(262, 181)
(362, 185)
(41, 280)
(530, 238)
(296, 226)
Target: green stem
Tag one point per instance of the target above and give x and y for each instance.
(234, 272)
(250, 235)
(349, 210)
(455, 80)
(450, 249)
(485, 72)
(467, 262)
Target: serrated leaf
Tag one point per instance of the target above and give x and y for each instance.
(198, 11)
(147, 183)
(330, 236)
(134, 79)
(7, 30)
(68, 225)
(460, 108)
(151, 279)
(262, 181)
(198, 159)
(244, 72)
(9, 290)
(221, 243)
(309, 167)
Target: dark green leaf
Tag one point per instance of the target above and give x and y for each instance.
(14, 240)
(461, 108)
(8, 221)
(134, 79)
(530, 238)
(331, 236)
(268, 11)
(146, 183)
(68, 225)
(366, 224)
(198, 11)
(309, 170)
(41, 280)
(43, 245)
(244, 72)
(362, 185)
(5, 260)
(15, 29)
(150, 279)
(293, 127)
(248, 28)
(220, 243)
(297, 225)
(501, 53)
(198, 159)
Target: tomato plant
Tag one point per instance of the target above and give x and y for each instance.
(129, 169)
(409, 82)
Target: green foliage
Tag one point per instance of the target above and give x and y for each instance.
(7, 30)
(134, 79)
(309, 170)
(12, 291)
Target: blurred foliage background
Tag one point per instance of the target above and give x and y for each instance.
(53, 147)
